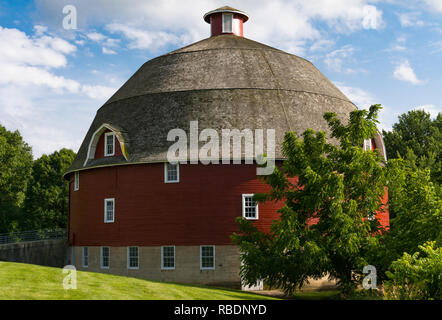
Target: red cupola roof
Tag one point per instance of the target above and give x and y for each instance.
(226, 20)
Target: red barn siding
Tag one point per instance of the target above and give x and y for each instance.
(216, 25)
(200, 209)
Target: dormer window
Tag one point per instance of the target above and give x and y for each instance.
(227, 23)
(109, 144)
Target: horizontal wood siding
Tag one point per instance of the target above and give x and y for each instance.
(200, 209)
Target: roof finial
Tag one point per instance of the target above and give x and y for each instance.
(226, 20)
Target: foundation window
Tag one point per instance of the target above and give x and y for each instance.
(85, 257)
(168, 258)
(132, 258)
(207, 257)
(105, 257)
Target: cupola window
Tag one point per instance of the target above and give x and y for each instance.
(227, 23)
(109, 144)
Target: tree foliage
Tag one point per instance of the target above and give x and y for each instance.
(15, 168)
(418, 138)
(47, 198)
(417, 276)
(331, 192)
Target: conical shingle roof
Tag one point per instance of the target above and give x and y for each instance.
(224, 82)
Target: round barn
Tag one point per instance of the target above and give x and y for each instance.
(132, 212)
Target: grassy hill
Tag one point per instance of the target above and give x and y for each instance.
(27, 281)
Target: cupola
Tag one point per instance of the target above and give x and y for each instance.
(226, 20)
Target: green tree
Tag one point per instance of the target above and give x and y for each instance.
(417, 137)
(47, 198)
(326, 226)
(416, 276)
(415, 207)
(15, 169)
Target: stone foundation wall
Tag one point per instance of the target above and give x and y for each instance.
(51, 253)
(187, 265)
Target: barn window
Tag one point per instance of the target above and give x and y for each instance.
(227, 23)
(109, 210)
(109, 144)
(85, 257)
(171, 172)
(168, 257)
(132, 257)
(249, 207)
(207, 257)
(76, 181)
(105, 257)
(367, 145)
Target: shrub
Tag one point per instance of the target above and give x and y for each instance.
(416, 277)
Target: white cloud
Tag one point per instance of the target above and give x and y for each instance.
(95, 36)
(405, 72)
(410, 19)
(399, 44)
(434, 4)
(286, 24)
(432, 109)
(108, 51)
(142, 39)
(335, 59)
(51, 111)
(98, 92)
(364, 99)
(321, 45)
(361, 98)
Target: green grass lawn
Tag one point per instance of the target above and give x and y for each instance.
(27, 281)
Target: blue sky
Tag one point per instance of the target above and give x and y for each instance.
(53, 80)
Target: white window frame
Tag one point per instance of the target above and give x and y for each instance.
(225, 15)
(102, 258)
(162, 258)
(106, 135)
(201, 258)
(85, 257)
(166, 176)
(76, 181)
(128, 258)
(105, 210)
(367, 144)
(244, 196)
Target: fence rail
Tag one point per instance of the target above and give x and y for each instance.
(33, 235)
